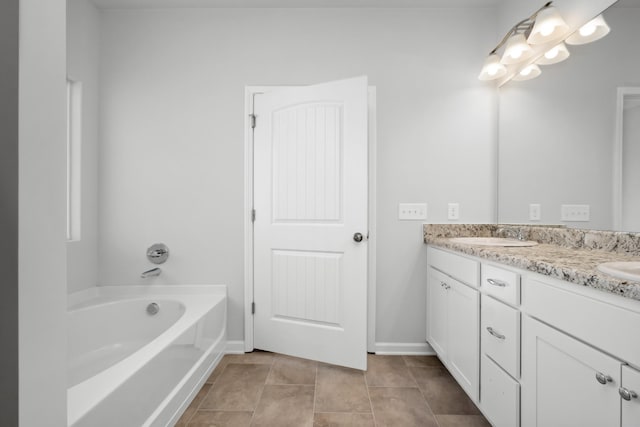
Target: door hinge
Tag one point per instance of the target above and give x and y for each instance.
(253, 215)
(252, 118)
(253, 308)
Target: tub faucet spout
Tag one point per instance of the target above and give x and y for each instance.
(151, 273)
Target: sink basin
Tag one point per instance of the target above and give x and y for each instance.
(626, 270)
(493, 241)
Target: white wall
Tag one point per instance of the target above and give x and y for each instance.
(83, 43)
(557, 131)
(42, 177)
(172, 114)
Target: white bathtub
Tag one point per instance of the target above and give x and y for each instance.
(127, 367)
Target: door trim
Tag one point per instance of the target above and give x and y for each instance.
(250, 91)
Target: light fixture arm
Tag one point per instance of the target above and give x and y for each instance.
(522, 26)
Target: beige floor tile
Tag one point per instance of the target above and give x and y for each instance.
(341, 390)
(422, 361)
(442, 392)
(342, 419)
(292, 370)
(400, 406)
(238, 388)
(285, 406)
(255, 357)
(462, 421)
(388, 371)
(204, 418)
(217, 371)
(188, 413)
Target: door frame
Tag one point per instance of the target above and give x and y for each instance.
(250, 92)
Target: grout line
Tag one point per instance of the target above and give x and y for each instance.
(253, 414)
(366, 386)
(315, 395)
(426, 401)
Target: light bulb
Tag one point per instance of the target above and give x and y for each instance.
(556, 54)
(529, 72)
(546, 29)
(552, 53)
(587, 30)
(548, 26)
(492, 68)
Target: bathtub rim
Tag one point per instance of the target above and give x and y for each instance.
(84, 396)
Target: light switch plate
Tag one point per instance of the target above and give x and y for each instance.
(575, 213)
(412, 211)
(534, 212)
(453, 211)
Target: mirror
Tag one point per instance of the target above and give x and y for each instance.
(557, 132)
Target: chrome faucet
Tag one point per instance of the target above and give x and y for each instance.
(511, 233)
(151, 273)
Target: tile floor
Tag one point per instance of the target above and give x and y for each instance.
(267, 389)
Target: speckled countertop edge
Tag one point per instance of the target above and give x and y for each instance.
(573, 265)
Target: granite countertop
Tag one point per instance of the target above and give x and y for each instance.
(572, 262)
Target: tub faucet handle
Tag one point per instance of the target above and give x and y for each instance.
(158, 253)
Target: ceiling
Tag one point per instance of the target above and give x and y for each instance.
(292, 3)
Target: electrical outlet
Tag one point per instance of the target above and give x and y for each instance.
(453, 211)
(412, 211)
(534, 212)
(574, 213)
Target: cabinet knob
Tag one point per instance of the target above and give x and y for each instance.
(602, 378)
(627, 394)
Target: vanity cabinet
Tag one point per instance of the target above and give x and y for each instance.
(453, 316)
(531, 350)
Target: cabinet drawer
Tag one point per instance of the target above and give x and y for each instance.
(502, 284)
(500, 339)
(499, 395)
(630, 408)
(464, 269)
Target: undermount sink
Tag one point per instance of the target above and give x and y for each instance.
(493, 241)
(626, 270)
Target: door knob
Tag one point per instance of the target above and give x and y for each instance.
(358, 237)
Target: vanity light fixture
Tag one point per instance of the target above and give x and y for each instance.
(593, 30)
(548, 26)
(529, 72)
(516, 48)
(556, 54)
(492, 68)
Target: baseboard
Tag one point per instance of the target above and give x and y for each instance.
(397, 348)
(234, 347)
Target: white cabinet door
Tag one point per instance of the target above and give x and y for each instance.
(437, 312)
(630, 390)
(561, 380)
(464, 347)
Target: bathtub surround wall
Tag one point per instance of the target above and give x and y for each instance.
(83, 62)
(172, 115)
(9, 12)
(42, 299)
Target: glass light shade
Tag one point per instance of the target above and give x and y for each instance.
(516, 50)
(492, 68)
(593, 30)
(548, 26)
(529, 72)
(554, 55)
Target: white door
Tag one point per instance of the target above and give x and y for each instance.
(310, 197)
(437, 312)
